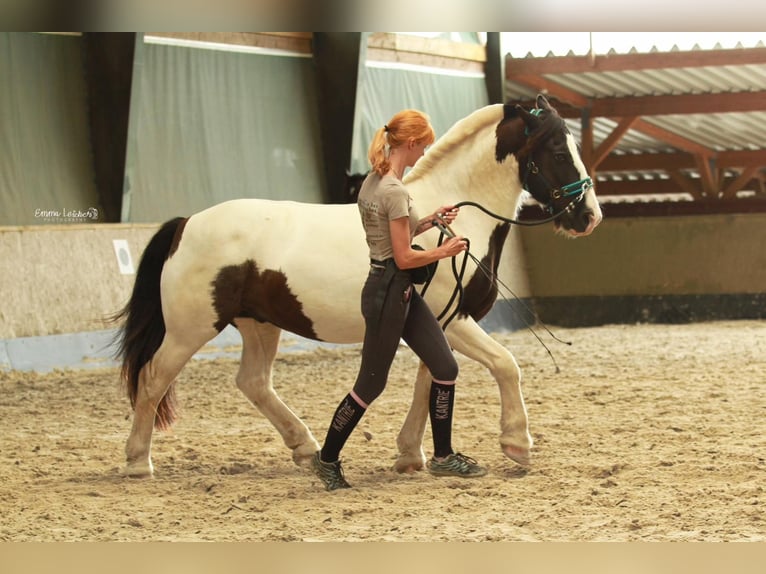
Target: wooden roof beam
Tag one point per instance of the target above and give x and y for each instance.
(685, 184)
(611, 141)
(680, 160)
(427, 46)
(549, 88)
(741, 158)
(658, 105)
(623, 62)
(708, 175)
(665, 186)
(744, 178)
(672, 138)
(288, 41)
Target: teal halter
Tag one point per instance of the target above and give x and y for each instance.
(575, 190)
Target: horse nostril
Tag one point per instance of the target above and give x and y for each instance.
(585, 218)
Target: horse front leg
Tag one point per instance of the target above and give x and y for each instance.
(410, 439)
(468, 338)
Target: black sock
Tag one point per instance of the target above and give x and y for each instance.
(440, 409)
(345, 419)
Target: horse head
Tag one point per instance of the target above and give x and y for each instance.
(352, 184)
(550, 166)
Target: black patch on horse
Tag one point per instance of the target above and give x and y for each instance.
(245, 291)
(509, 133)
(480, 293)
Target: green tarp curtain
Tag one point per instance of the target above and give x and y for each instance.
(46, 167)
(207, 125)
(217, 125)
(445, 96)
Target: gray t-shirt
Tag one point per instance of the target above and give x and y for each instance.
(383, 199)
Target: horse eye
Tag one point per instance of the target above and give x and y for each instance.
(561, 157)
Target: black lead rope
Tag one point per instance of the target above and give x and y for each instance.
(488, 273)
(457, 293)
(553, 217)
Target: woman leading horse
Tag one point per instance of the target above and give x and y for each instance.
(265, 266)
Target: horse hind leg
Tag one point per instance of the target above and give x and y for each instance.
(155, 380)
(410, 438)
(260, 343)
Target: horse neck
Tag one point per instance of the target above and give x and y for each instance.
(465, 169)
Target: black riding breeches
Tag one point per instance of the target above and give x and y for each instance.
(404, 315)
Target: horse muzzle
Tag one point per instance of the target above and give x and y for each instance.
(579, 224)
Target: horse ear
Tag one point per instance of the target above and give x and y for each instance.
(542, 102)
(530, 119)
(525, 115)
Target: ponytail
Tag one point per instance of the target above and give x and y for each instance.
(377, 154)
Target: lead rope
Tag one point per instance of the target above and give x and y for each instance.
(458, 275)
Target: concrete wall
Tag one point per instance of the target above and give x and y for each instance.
(663, 269)
(59, 283)
(64, 278)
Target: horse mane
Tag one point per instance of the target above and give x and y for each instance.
(464, 128)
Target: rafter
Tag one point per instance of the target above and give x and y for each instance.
(666, 208)
(540, 84)
(679, 104)
(623, 62)
(685, 184)
(681, 160)
(708, 175)
(734, 186)
(611, 141)
(586, 140)
(672, 138)
(695, 168)
(665, 186)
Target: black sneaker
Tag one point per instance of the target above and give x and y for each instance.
(330, 473)
(456, 464)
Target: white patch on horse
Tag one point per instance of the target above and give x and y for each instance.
(590, 200)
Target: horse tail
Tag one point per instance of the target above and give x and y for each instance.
(144, 326)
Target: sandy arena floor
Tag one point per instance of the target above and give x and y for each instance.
(650, 432)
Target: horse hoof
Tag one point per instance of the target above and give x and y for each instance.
(302, 456)
(518, 455)
(138, 470)
(406, 465)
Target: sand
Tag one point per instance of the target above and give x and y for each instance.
(648, 433)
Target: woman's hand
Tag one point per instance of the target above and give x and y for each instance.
(453, 246)
(447, 213)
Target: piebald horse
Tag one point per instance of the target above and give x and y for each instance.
(265, 266)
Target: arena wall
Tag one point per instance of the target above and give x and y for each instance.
(65, 278)
(62, 282)
(650, 269)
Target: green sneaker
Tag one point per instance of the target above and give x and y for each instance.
(330, 473)
(456, 464)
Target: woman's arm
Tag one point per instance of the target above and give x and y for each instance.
(408, 258)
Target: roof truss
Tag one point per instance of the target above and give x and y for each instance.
(695, 168)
